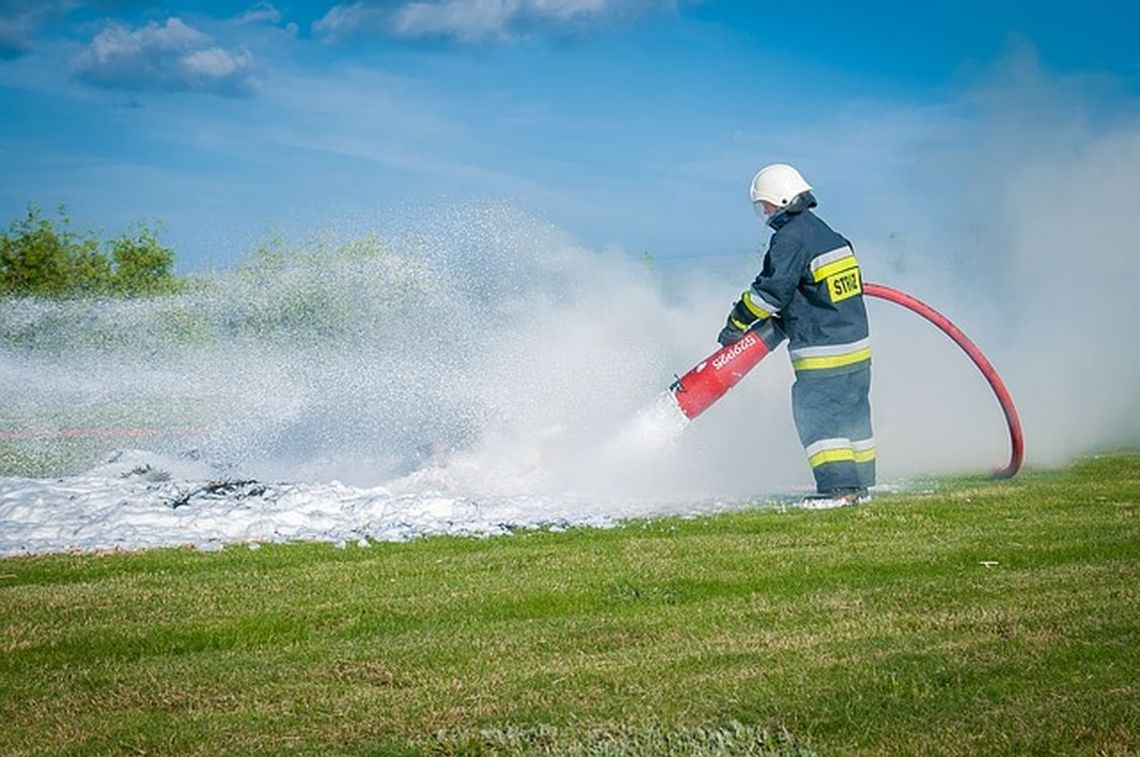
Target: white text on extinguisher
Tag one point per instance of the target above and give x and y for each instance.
(727, 357)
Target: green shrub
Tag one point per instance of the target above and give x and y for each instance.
(40, 257)
(142, 265)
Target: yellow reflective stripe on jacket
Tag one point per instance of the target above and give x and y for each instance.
(742, 326)
(831, 361)
(831, 262)
(845, 263)
(753, 307)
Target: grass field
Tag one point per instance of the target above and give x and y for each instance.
(984, 618)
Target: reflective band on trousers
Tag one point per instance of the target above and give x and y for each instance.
(840, 451)
(830, 451)
(864, 450)
(830, 356)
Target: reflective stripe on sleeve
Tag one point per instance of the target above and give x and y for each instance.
(832, 262)
(758, 305)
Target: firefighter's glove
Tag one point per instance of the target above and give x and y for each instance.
(730, 334)
(738, 322)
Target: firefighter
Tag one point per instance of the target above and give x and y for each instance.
(811, 285)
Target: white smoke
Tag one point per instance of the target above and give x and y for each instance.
(1074, 252)
(488, 353)
(486, 356)
(1027, 246)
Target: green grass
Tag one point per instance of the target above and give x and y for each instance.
(986, 618)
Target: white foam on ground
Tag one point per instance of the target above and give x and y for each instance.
(134, 502)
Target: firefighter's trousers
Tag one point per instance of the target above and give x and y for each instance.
(833, 417)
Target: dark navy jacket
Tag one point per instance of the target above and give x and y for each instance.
(812, 285)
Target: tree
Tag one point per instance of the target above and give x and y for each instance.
(91, 271)
(42, 258)
(34, 256)
(143, 266)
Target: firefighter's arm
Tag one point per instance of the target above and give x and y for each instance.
(770, 292)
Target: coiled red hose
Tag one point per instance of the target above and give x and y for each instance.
(1017, 442)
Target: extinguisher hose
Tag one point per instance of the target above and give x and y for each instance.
(1017, 443)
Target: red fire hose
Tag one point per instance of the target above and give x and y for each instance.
(1016, 441)
(707, 382)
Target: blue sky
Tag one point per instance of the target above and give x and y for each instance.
(635, 124)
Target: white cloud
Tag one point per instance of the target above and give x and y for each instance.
(348, 20)
(171, 57)
(470, 20)
(216, 64)
(475, 20)
(260, 12)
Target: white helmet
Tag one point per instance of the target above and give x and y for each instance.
(778, 184)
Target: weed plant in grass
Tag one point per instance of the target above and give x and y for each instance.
(983, 618)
